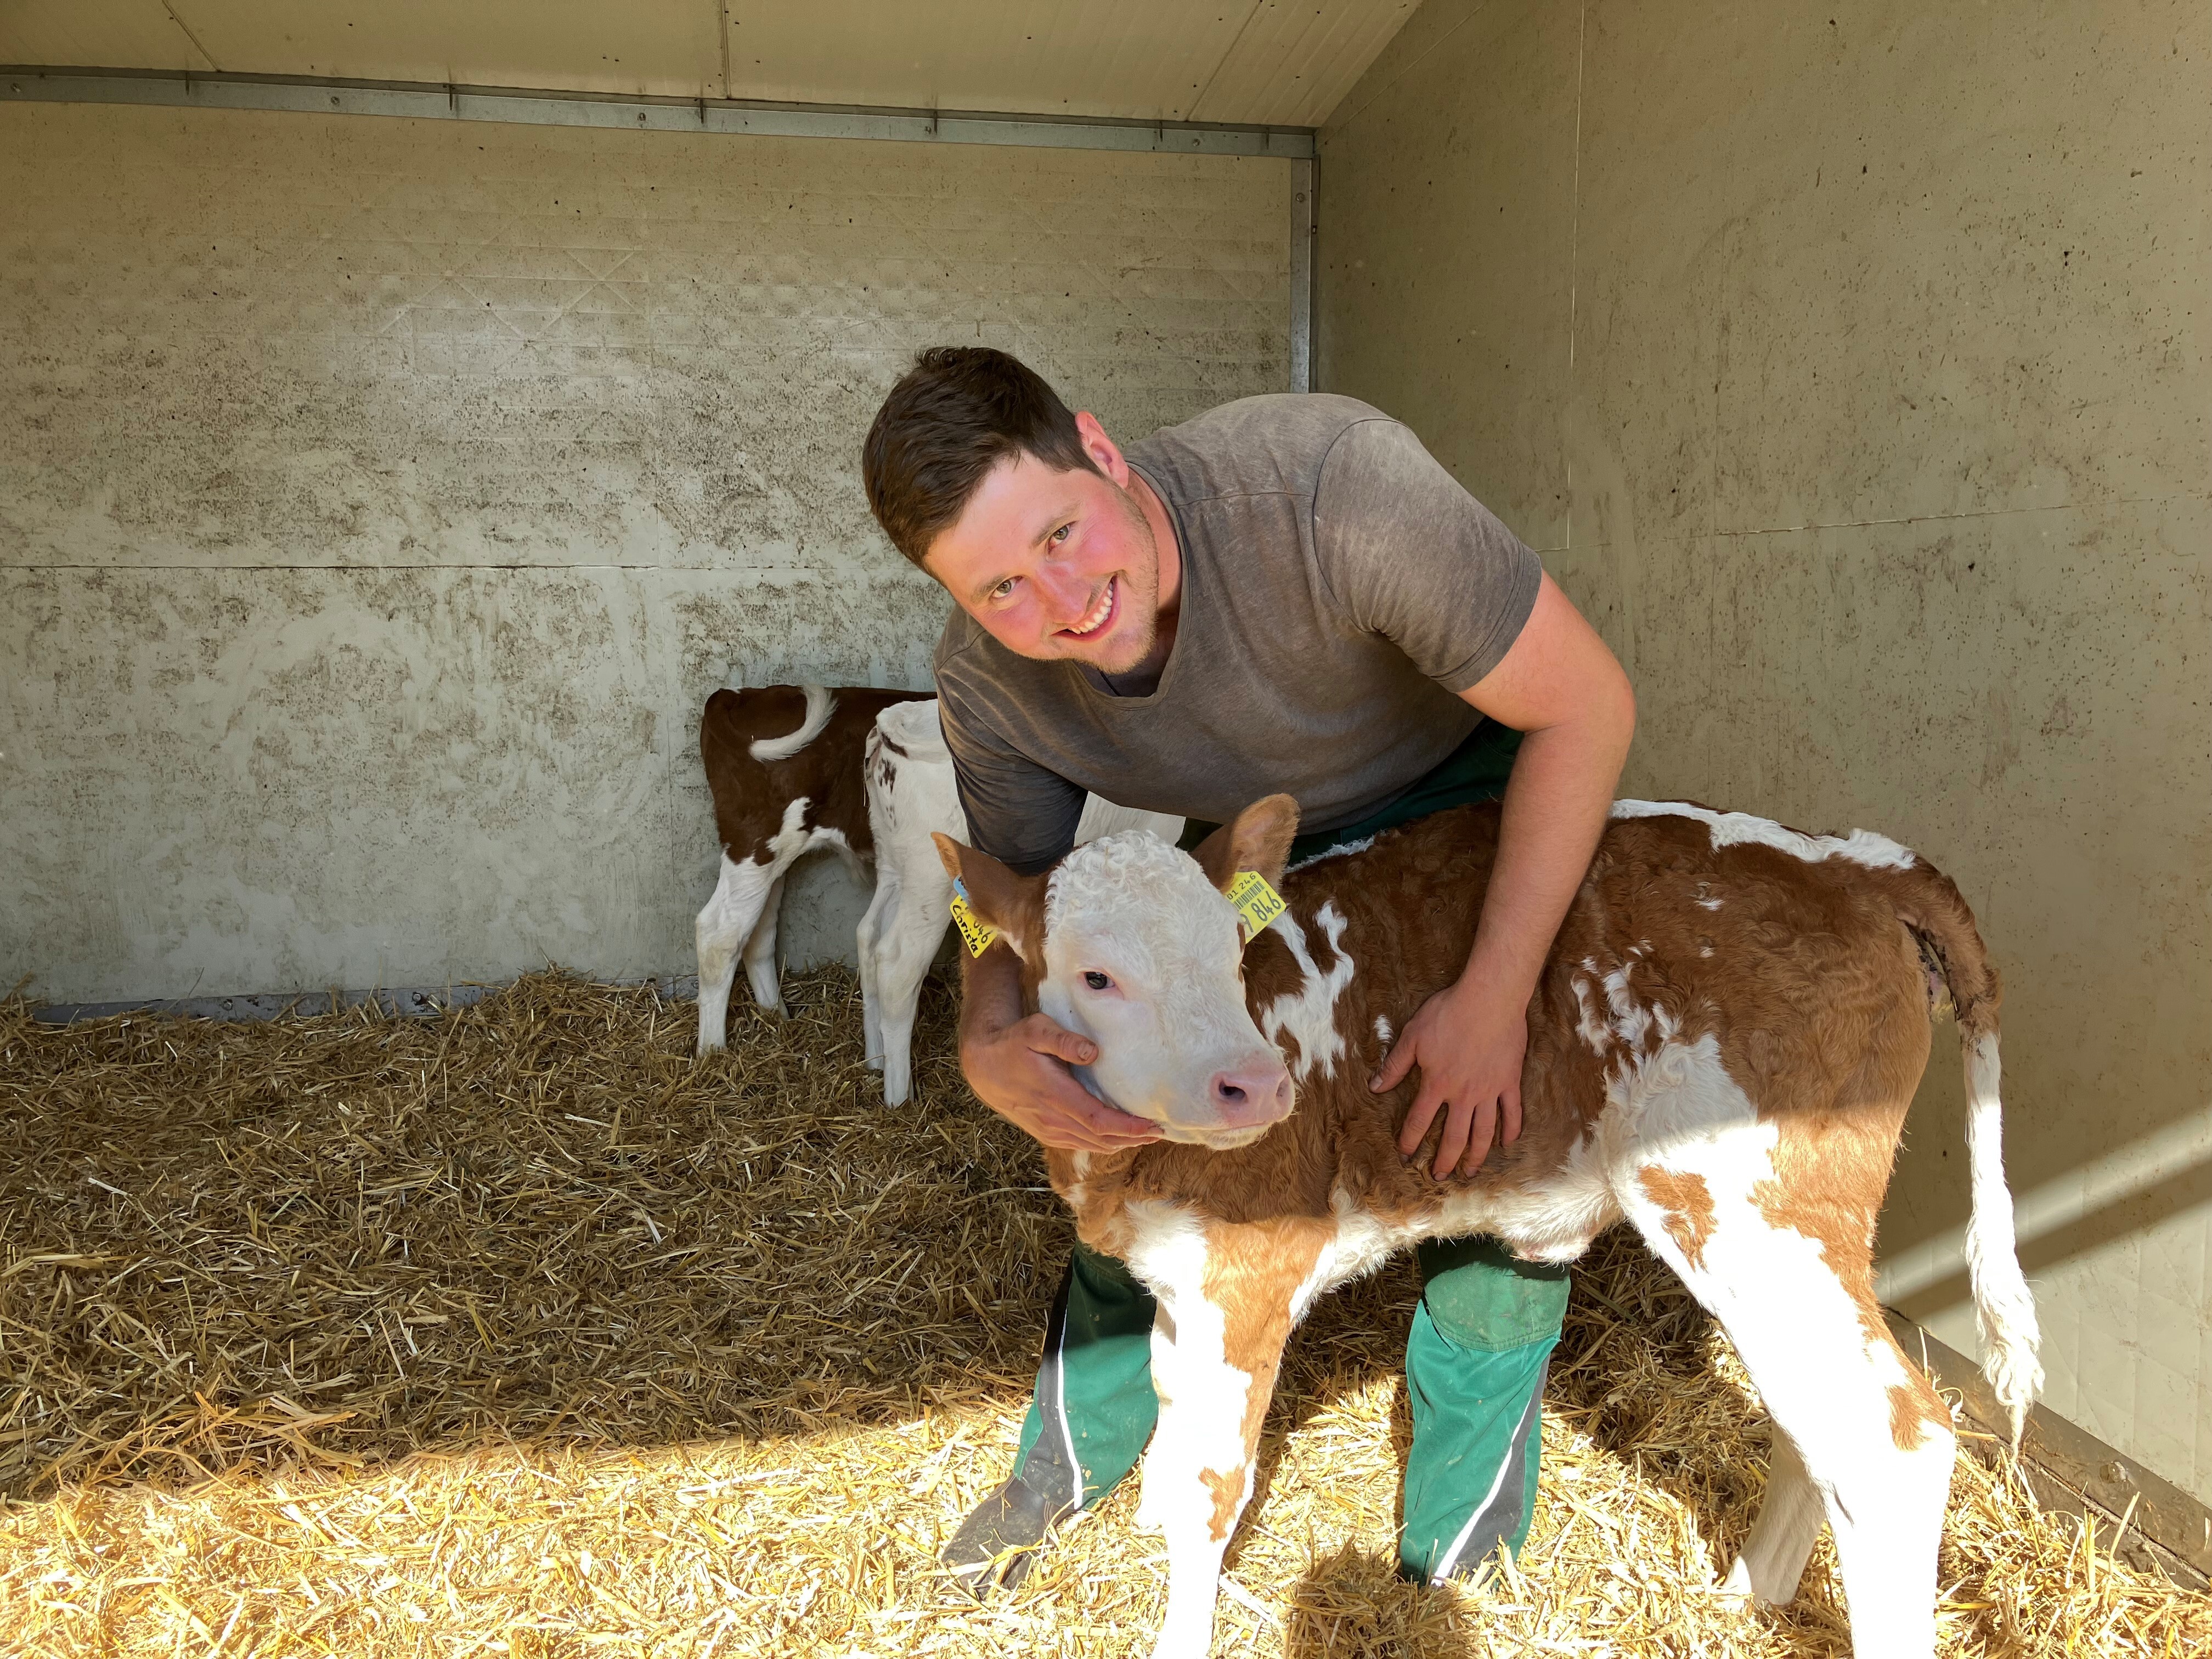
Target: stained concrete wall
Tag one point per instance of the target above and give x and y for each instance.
(380, 501)
(1847, 364)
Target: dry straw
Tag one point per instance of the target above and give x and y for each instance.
(514, 1331)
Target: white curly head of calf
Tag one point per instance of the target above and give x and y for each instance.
(1131, 943)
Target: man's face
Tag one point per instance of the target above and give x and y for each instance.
(1056, 564)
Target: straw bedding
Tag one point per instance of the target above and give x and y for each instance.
(514, 1331)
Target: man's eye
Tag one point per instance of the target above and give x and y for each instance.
(1097, 982)
(1063, 532)
(1004, 590)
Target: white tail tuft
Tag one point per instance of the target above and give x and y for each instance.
(2003, 1306)
(819, 704)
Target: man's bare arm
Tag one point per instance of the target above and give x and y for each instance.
(1560, 686)
(1018, 1067)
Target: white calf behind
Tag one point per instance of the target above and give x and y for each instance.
(912, 796)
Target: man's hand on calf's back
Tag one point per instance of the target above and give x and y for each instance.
(1469, 1047)
(1021, 1072)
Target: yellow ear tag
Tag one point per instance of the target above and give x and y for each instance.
(974, 931)
(1255, 902)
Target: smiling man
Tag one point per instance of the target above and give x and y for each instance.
(1286, 593)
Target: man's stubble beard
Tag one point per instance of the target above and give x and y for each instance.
(1140, 611)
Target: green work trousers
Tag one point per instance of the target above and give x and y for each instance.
(1475, 1356)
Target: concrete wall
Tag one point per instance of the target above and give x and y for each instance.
(380, 501)
(1847, 364)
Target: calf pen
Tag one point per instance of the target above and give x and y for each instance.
(513, 1330)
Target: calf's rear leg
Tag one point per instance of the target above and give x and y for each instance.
(907, 940)
(1861, 1441)
(724, 924)
(1790, 1516)
(761, 971)
(867, 943)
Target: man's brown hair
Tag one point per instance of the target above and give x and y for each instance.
(954, 415)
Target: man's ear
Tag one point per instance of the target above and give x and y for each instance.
(999, 898)
(1259, 839)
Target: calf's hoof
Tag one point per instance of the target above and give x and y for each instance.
(1738, 1590)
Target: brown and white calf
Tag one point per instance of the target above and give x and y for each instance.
(783, 764)
(1721, 1050)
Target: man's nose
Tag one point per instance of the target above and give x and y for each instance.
(1067, 597)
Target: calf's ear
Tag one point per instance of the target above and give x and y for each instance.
(1013, 904)
(1258, 839)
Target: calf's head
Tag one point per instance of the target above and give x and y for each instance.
(1132, 943)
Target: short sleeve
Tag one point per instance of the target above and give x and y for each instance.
(1021, 814)
(1411, 556)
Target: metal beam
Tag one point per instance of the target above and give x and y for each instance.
(1306, 183)
(427, 101)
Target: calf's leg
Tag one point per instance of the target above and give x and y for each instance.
(1228, 1298)
(760, 952)
(867, 941)
(728, 920)
(1789, 1520)
(1787, 1271)
(912, 932)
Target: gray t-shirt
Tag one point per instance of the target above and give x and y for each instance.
(1338, 590)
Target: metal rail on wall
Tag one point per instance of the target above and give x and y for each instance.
(432, 101)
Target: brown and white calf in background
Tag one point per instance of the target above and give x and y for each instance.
(865, 773)
(1721, 1050)
(783, 764)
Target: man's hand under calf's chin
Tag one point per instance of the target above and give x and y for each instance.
(1021, 1072)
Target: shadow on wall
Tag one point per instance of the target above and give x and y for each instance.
(2058, 1222)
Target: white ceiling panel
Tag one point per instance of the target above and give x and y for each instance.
(95, 33)
(1149, 61)
(1295, 59)
(1279, 62)
(1282, 62)
(665, 48)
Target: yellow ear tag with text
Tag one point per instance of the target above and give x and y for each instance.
(974, 931)
(1255, 902)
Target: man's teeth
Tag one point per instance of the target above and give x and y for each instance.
(1091, 624)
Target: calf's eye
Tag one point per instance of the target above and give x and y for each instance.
(1097, 982)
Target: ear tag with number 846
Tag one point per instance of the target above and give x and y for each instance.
(974, 932)
(1256, 902)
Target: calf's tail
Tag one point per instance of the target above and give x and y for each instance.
(1959, 968)
(819, 702)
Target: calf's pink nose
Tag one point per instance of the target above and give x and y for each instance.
(1252, 1094)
